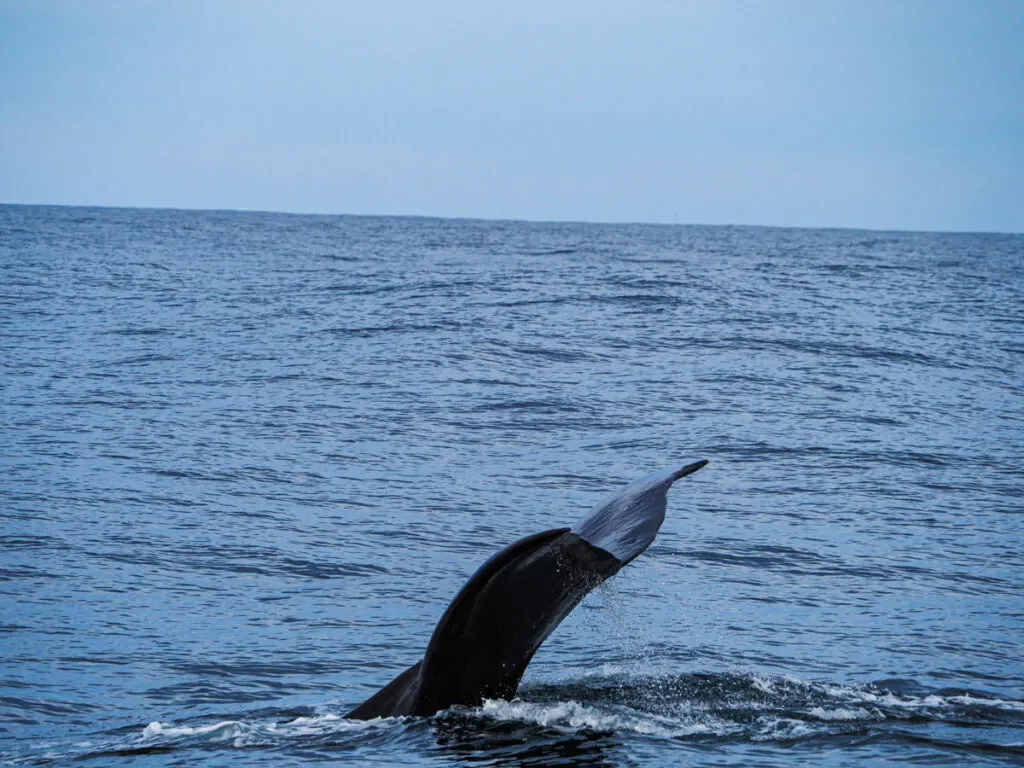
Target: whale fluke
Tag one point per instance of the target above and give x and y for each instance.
(490, 632)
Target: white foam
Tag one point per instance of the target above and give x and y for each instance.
(245, 734)
(928, 701)
(974, 701)
(841, 713)
(818, 704)
(781, 729)
(332, 723)
(571, 716)
(218, 731)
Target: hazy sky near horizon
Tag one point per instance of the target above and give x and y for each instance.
(890, 114)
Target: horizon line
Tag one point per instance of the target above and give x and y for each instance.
(516, 220)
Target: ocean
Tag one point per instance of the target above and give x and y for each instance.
(247, 460)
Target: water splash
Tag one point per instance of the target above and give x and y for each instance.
(701, 709)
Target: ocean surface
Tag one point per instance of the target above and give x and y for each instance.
(247, 459)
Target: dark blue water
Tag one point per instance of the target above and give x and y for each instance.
(247, 459)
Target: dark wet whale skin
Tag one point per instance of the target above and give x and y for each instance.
(490, 632)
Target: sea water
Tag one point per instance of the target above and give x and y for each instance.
(247, 459)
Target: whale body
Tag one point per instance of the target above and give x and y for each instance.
(490, 632)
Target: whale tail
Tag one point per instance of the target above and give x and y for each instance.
(490, 632)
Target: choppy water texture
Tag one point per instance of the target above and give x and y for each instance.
(247, 460)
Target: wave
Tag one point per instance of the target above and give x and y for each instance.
(581, 722)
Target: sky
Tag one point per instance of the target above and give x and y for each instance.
(879, 114)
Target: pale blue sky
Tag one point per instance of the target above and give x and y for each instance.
(904, 114)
